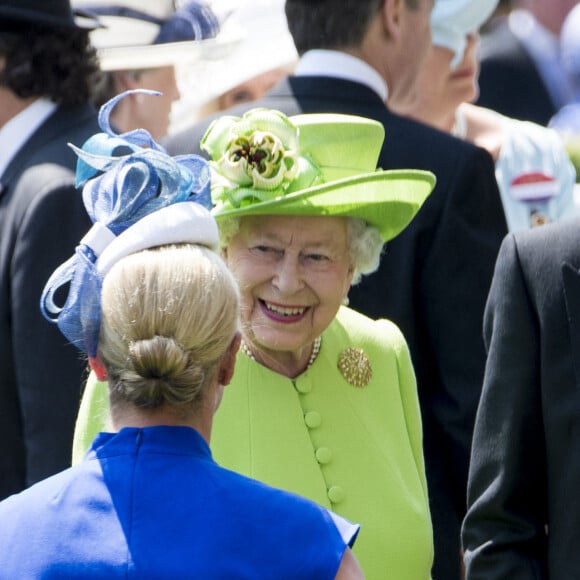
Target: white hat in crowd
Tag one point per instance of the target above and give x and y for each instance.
(266, 44)
(144, 34)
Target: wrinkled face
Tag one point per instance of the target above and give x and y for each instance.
(441, 88)
(294, 273)
(153, 113)
(413, 47)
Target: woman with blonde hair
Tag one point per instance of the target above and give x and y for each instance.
(323, 402)
(156, 310)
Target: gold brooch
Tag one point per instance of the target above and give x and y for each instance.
(355, 366)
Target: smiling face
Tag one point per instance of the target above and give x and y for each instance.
(294, 272)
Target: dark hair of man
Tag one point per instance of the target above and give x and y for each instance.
(105, 89)
(57, 64)
(332, 24)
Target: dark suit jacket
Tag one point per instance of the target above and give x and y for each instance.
(525, 471)
(509, 81)
(432, 282)
(42, 219)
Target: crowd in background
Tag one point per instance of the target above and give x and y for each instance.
(481, 286)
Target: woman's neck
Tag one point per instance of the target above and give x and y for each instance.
(424, 112)
(287, 363)
(131, 416)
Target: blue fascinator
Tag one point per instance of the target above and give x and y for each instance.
(137, 197)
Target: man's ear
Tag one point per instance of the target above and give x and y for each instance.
(98, 367)
(391, 12)
(228, 363)
(126, 80)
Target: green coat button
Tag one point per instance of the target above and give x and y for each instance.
(323, 455)
(336, 494)
(312, 419)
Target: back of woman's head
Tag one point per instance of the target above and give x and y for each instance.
(168, 317)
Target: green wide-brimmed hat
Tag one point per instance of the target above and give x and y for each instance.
(265, 163)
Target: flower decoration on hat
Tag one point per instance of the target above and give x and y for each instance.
(259, 159)
(256, 158)
(137, 197)
(322, 164)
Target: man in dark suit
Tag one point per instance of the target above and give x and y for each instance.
(523, 518)
(434, 277)
(521, 75)
(46, 69)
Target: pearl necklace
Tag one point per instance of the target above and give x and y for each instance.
(313, 355)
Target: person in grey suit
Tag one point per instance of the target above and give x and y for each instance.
(523, 517)
(434, 277)
(46, 70)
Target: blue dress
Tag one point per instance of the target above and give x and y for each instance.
(152, 503)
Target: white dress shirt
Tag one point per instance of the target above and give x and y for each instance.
(15, 133)
(343, 66)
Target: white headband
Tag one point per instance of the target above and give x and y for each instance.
(185, 222)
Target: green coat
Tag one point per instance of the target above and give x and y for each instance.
(354, 449)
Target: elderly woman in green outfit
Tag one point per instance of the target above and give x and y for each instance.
(323, 401)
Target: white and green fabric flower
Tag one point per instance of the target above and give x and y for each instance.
(256, 158)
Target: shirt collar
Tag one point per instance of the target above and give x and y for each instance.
(344, 66)
(15, 133)
(174, 439)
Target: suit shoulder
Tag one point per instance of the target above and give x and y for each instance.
(537, 255)
(555, 241)
(431, 149)
(50, 143)
(43, 179)
(427, 135)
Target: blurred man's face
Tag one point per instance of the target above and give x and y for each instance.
(412, 49)
(153, 113)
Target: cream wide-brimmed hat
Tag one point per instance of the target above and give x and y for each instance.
(265, 45)
(145, 34)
